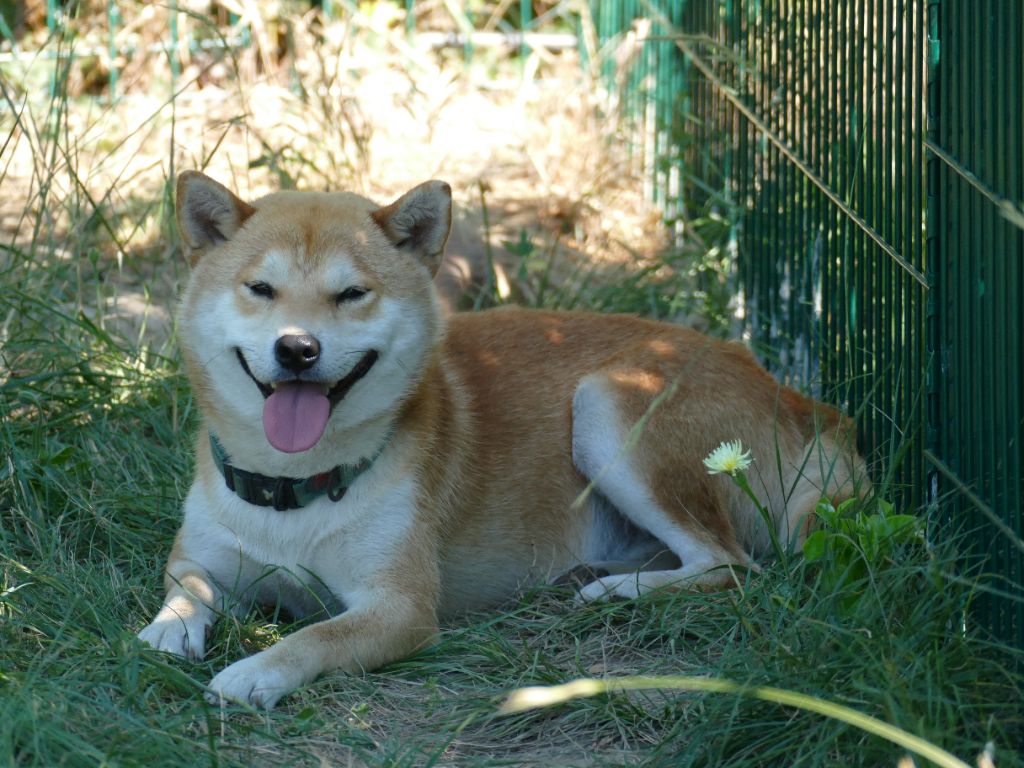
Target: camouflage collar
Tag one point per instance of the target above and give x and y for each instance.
(287, 493)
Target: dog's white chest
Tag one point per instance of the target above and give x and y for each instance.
(321, 556)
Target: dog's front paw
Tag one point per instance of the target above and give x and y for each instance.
(174, 633)
(256, 681)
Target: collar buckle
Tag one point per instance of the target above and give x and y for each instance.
(284, 495)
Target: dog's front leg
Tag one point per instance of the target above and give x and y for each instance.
(382, 627)
(392, 602)
(203, 564)
(188, 610)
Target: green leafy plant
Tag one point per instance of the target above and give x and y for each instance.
(851, 542)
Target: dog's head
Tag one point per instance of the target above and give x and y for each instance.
(307, 313)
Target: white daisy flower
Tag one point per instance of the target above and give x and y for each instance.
(729, 458)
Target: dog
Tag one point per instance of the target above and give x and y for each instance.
(367, 460)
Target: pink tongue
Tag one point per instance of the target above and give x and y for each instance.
(295, 415)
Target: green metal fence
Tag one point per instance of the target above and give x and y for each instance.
(975, 146)
(871, 153)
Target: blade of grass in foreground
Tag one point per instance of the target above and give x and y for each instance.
(545, 696)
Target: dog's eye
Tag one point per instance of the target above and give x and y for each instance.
(260, 288)
(351, 294)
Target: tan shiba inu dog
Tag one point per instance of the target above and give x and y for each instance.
(364, 457)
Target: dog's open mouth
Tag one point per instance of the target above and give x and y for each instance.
(296, 411)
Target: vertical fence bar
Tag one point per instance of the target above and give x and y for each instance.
(985, 231)
(846, 138)
(854, 307)
(51, 26)
(895, 336)
(909, 308)
(175, 61)
(890, 373)
(788, 231)
(113, 22)
(1013, 34)
(810, 137)
(831, 53)
(1000, 247)
(969, 152)
(951, 49)
(761, 259)
(819, 134)
(772, 256)
(878, 180)
(917, 85)
(871, 184)
(939, 424)
(525, 21)
(468, 46)
(7, 32)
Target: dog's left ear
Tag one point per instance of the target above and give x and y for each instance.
(419, 221)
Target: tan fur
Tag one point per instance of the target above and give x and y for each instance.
(500, 423)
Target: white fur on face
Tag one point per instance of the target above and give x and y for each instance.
(214, 325)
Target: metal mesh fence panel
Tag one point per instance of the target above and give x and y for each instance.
(975, 226)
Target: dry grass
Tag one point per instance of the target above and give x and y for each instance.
(350, 105)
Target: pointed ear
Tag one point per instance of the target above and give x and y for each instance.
(208, 212)
(419, 221)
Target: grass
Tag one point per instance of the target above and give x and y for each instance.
(96, 422)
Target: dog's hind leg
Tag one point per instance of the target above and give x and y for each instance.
(691, 524)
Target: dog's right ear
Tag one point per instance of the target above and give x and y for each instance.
(208, 212)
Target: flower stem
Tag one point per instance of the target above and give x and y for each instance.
(741, 481)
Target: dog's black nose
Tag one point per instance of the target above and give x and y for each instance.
(297, 352)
